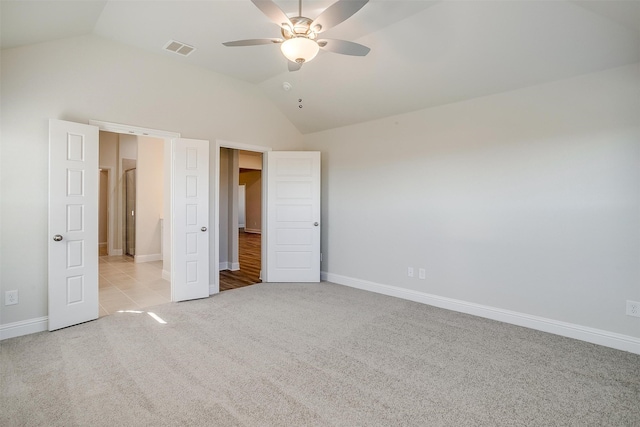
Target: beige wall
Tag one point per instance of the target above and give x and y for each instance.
(149, 198)
(108, 159)
(253, 202)
(225, 158)
(250, 160)
(103, 208)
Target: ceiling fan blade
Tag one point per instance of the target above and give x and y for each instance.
(336, 13)
(252, 42)
(343, 47)
(294, 66)
(273, 12)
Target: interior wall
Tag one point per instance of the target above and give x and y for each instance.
(225, 155)
(252, 179)
(108, 158)
(250, 160)
(149, 202)
(228, 207)
(88, 77)
(127, 160)
(527, 201)
(103, 203)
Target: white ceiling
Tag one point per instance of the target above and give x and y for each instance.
(423, 53)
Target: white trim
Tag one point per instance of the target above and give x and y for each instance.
(116, 252)
(25, 327)
(132, 130)
(147, 258)
(224, 265)
(253, 230)
(235, 266)
(213, 289)
(570, 330)
(166, 275)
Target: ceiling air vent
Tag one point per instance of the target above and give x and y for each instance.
(179, 48)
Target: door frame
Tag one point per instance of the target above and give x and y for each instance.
(214, 287)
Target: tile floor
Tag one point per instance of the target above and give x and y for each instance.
(125, 285)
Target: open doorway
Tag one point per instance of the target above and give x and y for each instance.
(240, 218)
(131, 270)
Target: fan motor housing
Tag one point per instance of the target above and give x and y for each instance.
(301, 28)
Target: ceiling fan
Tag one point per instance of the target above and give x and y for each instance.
(300, 41)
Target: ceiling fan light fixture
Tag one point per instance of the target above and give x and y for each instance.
(299, 49)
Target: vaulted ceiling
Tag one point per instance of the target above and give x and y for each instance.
(423, 53)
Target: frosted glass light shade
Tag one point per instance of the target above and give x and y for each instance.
(299, 48)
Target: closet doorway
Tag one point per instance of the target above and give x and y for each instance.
(240, 213)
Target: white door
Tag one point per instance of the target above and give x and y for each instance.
(73, 223)
(190, 219)
(293, 216)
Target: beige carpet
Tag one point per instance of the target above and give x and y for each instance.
(311, 355)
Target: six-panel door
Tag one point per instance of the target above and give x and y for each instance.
(190, 219)
(73, 223)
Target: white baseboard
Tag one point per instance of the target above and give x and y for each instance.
(166, 275)
(213, 289)
(223, 266)
(25, 327)
(570, 330)
(147, 258)
(241, 225)
(115, 252)
(253, 230)
(235, 266)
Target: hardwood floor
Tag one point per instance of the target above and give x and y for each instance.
(249, 248)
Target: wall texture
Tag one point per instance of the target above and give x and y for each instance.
(86, 78)
(527, 201)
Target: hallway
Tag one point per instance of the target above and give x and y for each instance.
(125, 285)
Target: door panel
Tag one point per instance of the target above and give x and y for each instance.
(190, 219)
(73, 221)
(293, 216)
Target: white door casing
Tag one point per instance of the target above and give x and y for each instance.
(73, 223)
(293, 216)
(190, 219)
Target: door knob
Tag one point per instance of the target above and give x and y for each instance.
(57, 238)
(315, 224)
(203, 229)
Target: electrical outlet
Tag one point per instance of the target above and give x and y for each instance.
(422, 273)
(633, 308)
(11, 297)
(410, 271)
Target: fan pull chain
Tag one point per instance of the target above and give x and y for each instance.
(300, 89)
